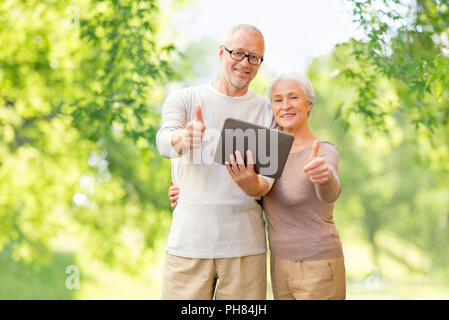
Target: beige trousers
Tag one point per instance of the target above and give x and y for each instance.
(308, 280)
(242, 278)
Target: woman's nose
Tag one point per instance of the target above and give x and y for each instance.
(285, 105)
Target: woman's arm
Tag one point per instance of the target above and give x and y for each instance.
(323, 175)
(173, 194)
(329, 191)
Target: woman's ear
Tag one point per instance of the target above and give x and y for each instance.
(309, 108)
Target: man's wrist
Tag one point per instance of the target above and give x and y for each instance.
(260, 187)
(177, 141)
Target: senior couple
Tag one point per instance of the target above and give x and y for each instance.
(217, 246)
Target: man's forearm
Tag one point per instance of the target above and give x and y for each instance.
(177, 141)
(168, 143)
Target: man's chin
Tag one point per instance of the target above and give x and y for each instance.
(239, 84)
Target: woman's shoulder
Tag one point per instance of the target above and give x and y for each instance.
(327, 144)
(328, 147)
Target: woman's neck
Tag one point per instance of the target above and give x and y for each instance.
(303, 137)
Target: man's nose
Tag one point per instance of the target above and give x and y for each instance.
(245, 62)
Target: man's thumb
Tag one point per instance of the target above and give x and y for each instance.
(315, 148)
(198, 114)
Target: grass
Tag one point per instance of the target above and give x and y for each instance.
(19, 280)
(394, 280)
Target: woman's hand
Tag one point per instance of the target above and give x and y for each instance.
(245, 176)
(317, 168)
(173, 194)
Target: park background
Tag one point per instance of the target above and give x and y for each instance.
(83, 190)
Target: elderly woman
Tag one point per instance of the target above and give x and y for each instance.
(306, 253)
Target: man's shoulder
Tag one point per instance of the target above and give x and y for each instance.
(258, 97)
(177, 94)
(179, 90)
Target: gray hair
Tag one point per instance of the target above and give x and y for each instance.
(299, 78)
(246, 27)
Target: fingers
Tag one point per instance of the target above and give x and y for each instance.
(195, 133)
(236, 165)
(319, 181)
(315, 163)
(195, 130)
(173, 194)
(320, 177)
(233, 165)
(173, 191)
(315, 148)
(317, 170)
(240, 162)
(229, 168)
(198, 114)
(250, 160)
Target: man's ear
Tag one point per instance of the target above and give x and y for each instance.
(221, 52)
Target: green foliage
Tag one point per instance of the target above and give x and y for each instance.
(408, 45)
(124, 62)
(79, 86)
(393, 180)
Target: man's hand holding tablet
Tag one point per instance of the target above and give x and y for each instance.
(245, 176)
(269, 147)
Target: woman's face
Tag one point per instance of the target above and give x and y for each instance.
(289, 103)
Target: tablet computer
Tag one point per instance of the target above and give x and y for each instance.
(270, 147)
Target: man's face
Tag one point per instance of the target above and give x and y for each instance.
(240, 73)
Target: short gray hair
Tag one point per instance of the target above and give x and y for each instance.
(299, 78)
(246, 27)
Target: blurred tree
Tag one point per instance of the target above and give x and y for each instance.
(406, 42)
(390, 182)
(398, 74)
(80, 85)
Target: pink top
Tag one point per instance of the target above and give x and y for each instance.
(300, 214)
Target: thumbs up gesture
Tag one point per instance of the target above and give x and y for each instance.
(317, 169)
(192, 136)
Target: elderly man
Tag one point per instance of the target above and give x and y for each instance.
(217, 239)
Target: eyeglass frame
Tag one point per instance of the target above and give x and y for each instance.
(244, 56)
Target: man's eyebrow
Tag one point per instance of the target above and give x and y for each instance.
(252, 53)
